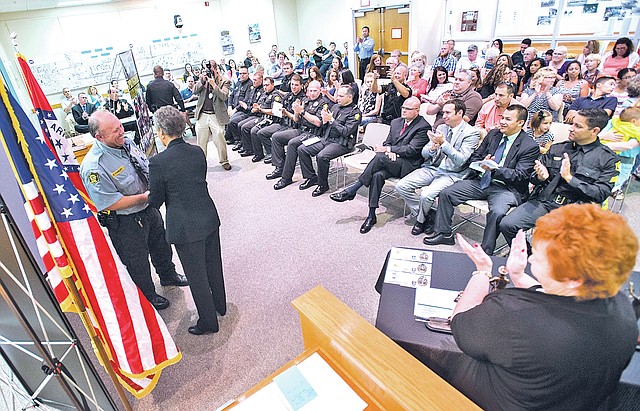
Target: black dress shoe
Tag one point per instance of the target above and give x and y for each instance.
(195, 330)
(159, 302)
(430, 230)
(277, 173)
(343, 195)
(255, 159)
(246, 153)
(267, 159)
(368, 223)
(176, 279)
(308, 183)
(320, 190)
(418, 228)
(440, 239)
(282, 183)
(237, 147)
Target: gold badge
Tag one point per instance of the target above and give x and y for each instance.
(94, 178)
(277, 98)
(357, 116)
(118, 171)
(326, 106)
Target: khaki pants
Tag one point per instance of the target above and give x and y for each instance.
(207, 126)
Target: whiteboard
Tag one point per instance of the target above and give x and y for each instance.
(80, 69)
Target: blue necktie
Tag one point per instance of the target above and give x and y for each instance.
(485, 181)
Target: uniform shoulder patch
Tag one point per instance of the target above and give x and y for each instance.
(94, 178)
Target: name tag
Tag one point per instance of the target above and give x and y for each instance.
(118, 171)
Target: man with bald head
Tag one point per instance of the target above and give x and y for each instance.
(115, 173)
(398, 156)
(308, 124)
(395, 93)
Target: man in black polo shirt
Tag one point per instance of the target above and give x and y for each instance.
(161, 92)
(395, 93)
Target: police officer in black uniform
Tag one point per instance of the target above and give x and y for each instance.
(287, 69)
(268, 119)
(116, 175)
(308, 125)
(243, 110)
(238, 94)
(287, 120)
(258, 111)
(581, 170)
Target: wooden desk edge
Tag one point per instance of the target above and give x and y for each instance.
(393, 377)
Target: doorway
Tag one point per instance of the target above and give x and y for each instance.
(388, 27)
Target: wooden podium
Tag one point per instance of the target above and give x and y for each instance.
(384, 375)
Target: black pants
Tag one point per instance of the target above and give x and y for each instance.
(364, 63)
(325, 151)
(245, 127)
(202, 263)
(138, 236)
(377, 171)
(279, 141)
(500, 200)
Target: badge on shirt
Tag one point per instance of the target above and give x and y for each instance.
(277, 98)
(211, 96)
(115, 173)
(357, 116)
(94, 178)
(326, 106)
(315, 104)
(398, 93)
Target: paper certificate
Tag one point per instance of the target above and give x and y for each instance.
(434, 302)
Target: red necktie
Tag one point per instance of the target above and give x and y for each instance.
(404, 127)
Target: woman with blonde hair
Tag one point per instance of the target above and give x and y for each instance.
(591, 71)
(592, 47)
(541, 94)
(94, 97)
(561, 337)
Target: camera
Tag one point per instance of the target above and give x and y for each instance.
(209, 71)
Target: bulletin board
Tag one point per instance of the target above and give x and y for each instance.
(79, 69)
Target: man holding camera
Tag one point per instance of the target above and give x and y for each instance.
(211, 111)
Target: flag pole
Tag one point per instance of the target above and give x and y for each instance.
(68, 279)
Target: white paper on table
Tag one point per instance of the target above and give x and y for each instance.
(410, 254)
(333, 392)
(267, 398)
(477, 165)
(276, 109)
(410, 280)
(434, 302)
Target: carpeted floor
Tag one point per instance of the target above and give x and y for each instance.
(276, 246)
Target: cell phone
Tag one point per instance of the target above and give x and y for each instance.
(383, 71)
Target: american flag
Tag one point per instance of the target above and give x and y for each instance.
(53, 130)
(72, 244)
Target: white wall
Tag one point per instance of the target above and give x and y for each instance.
(56, 31)
(285, 13)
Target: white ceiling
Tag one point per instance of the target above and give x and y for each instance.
(7, 6)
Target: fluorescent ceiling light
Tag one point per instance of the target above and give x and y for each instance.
(80, 2)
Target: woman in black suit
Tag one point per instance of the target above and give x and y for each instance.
(178, 179)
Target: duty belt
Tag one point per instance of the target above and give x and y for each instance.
(562, 200)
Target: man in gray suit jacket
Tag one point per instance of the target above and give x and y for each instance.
(211, 111)
(446, 154)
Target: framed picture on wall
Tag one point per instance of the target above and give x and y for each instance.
(469, 21)
(254, 33)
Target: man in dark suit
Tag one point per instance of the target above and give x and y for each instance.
(399, 155)
(503, 187)
(178, 179)
(81, 113)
